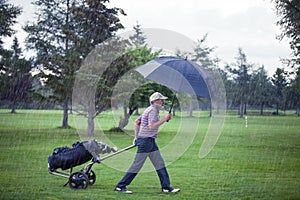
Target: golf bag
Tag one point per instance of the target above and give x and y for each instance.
(81, 152)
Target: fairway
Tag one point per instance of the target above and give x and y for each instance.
(261, 161)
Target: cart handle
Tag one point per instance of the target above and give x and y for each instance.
(118, 152)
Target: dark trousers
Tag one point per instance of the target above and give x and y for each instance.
(147, 147)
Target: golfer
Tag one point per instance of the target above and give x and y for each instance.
(146, 129)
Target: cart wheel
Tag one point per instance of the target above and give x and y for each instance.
(78, 180)
(92, 177)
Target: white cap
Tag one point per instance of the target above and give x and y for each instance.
(155, 96)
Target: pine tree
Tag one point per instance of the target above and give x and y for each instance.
(9, 14)
(241, 76)
(16, 77)
(138, 38)
(65, 32)
(279, 80)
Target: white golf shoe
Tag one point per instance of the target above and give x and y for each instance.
(174, 190)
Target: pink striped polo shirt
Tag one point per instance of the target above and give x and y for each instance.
(149, 116)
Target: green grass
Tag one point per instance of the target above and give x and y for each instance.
(261, 161)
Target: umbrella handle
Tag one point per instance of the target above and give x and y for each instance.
(171, 107)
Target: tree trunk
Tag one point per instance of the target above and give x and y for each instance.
(277, 109)
(124, 110)
(136, 112)
(91, 124)
(65, 115)
(262, 108)
(124, 121)
(245, 109)
(91, 117)
(13, 108)
(71, 107)
(191, 109)
(241, 110)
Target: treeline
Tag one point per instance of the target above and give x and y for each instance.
(66, 31)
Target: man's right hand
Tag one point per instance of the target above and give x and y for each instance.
(134, 141)
(168, 117)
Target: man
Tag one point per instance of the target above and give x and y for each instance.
(146, 129)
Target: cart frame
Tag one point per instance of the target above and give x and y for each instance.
(86, 176)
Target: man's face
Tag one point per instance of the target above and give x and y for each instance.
(159, 103)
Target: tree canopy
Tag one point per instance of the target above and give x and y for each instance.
(289, 13)
(8, 17)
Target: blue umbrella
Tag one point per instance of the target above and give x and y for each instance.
(185, 76)
(178, 74)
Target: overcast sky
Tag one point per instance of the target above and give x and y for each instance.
(230, 24)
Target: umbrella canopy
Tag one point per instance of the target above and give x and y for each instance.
(178, 74)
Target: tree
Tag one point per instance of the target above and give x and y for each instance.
(203, 54)
(295, 84)
(101, 98)
(93, 23)
(241, 77)
(138, 38)
(289, 11)
(279, 80)
(63, 36)
(52, 45)
(230, 86)
(261, 89)
(15, 77)
(8, 15)
(139, 55)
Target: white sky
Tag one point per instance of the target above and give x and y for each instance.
(230, 24)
